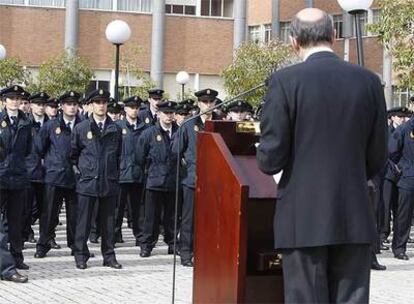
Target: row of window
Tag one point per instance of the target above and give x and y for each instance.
(216, 8)
(263, 33)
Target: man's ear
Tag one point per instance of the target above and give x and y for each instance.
(295, 45)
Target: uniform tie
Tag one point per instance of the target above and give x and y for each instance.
(133, 126)
(100, 126)
(69, 126)
(13, 120)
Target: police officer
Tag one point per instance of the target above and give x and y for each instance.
(54, 145)
(183, 110)
(238, 110)
(149, 113)
(186, 143)
(132, 174)
(52, 108)
(114, 109)
(96, 151)
(16, 143)
(34, 198)
(154, 152)
(392, 173)
(401, 152)
(25, 104)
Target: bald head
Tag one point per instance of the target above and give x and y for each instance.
(312, 27)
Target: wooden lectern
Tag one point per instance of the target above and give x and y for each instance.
(234, 260)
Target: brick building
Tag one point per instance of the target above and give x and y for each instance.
(199, 35)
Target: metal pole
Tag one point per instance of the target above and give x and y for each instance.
(240, 11)
(182, 92)
(275, 19)
(117, 47)
(360, 44)
(72, 26)
(157, 42)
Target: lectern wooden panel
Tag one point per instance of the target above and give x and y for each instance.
(234, 208)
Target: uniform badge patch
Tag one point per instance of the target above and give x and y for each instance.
(147, 121)
(89, 135)
(3, 124)
(159, 138)
(411, 135)
(58, 131)
(196, 128)
(124, 131)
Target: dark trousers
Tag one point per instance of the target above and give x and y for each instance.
(327, 274)
(32, 208)
(7, 264)
(390, 195)
(402, 220)
(13, 202)
(187, 224)
(51, 206)
(131, 195)
(95, 231)
(154, 202)
(106, 220)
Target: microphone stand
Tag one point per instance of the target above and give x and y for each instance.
(177, 185)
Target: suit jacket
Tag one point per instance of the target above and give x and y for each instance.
(324, 125)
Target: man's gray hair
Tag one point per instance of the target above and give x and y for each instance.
(308, 34)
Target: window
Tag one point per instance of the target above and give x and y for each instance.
(96, 85)
(268, 33)
(284, 31)
(217, 8)
(99, 4)
(400, 97)
(11, 1)
(57, 3)
(363, 21)
(255, 34)
(180, 9)
(339, 26)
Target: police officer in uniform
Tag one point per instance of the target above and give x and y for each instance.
(96, 151)
(391, 176)
(183, 110)
(149, 113)
(16, 143)
(52, 108)
(34, 198)
(238, 110)
(401, 147)
(131, 173)
(54, 145)
(154, 152)
(114, 109)
(187, 144)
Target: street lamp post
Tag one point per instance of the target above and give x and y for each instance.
(3, 52)
(182, 78)
(117, 32)
(356, 8)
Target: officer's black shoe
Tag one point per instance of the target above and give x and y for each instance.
(119, 239)
(22, 266)
(39, 255)
(60, 224)
(81, 265)
(54, 245)
(410, 240)
(144, 253)
(375, 265)
(383, 247)
(16, 278)
(187, 263)
(402, 256)
(386, 241)
(91, 254)
(113, 264)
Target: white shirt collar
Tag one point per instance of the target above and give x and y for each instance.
(169, 130)
(42, 120)
(315, 50)
(102, 121)
(72, 122)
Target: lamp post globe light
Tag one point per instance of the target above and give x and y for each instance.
(182, 78)
(3, 52)
(356, 8)
(117, 32)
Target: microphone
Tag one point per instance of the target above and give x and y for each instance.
(177, 185)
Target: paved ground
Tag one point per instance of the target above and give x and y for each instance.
(56, 280)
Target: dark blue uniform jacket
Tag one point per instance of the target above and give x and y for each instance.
(16, 143)
(97, 156)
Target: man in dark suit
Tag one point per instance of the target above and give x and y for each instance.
(324, 125)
